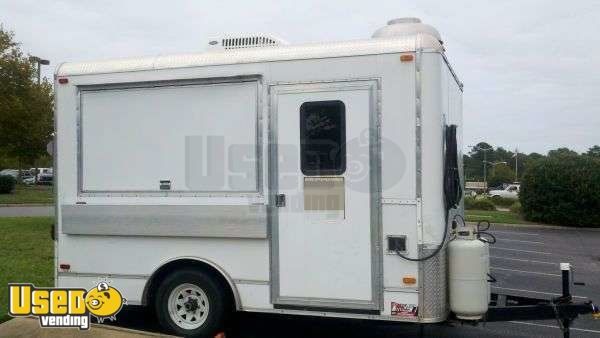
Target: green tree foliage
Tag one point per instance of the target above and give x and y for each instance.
(25, 106)
(562, 152)
(516, 161)
(474, 162)
(557, 191)
(594, 152)
(500, 173)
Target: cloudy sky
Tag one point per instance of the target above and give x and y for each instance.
(531, 68)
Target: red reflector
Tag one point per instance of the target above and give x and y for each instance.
(65, 266)
(63, 80)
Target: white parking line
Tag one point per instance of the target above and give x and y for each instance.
(524, 260)
(530, 251)
(531, 291)
(529, 272)
(518, 240)
(553, 326)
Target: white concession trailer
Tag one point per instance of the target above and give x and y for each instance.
(315, 179)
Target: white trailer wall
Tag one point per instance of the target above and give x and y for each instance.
(246, 261)
(132, 138)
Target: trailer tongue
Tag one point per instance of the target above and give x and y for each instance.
(469, 262)
(505, 307)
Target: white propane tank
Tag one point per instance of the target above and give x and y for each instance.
(469, 263)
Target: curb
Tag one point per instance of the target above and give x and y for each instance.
(29, 326)
(25, 205)
(539, 226)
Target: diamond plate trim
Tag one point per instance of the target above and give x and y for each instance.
(434, 293)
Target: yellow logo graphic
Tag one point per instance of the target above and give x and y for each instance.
(65, 307)
(104, 301)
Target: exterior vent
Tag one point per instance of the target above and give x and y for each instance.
(406, 27)
(248, 41)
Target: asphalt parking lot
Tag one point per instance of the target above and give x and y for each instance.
(525, 261)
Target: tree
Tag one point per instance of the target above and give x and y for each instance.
(594, 151)
(25, 106)
(501, 173)
(534, 156)
(562, 152)
(501, 154)
(473, 162)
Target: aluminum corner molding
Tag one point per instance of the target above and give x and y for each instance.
(228, 221)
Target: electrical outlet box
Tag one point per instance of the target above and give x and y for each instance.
(396, 243)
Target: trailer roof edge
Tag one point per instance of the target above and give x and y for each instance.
(255, 55)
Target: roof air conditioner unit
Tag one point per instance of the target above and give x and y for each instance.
(245, 41)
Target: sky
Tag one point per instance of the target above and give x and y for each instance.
(531, 69)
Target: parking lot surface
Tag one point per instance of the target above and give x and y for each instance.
(525, 261)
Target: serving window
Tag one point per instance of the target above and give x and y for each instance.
(189, 137)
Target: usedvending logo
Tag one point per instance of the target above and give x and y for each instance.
(65, 307)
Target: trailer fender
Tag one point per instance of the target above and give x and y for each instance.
(189, 261)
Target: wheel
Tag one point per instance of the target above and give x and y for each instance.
(191, 303)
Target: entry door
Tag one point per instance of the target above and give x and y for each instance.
(324, 224)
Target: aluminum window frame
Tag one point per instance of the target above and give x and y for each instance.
(257, 193)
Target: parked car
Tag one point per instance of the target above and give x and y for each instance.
(511, 191)
(45, 179)
(40, 171)
(27, 179)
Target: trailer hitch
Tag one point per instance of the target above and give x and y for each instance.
(504, 307)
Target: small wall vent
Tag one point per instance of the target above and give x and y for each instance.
(248, 41)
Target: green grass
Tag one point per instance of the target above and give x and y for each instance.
(26, 255)
(29, 194)
(495, 217)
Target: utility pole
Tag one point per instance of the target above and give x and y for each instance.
(485, 150)
(485, 166)
(39, 62)
(516, 164)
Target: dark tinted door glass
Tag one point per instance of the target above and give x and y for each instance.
(323, 138)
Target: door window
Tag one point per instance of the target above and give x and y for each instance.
(323, 138)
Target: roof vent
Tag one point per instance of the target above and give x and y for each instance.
(246, 41)
(406, 26)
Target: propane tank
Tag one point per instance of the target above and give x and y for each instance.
(469, 263)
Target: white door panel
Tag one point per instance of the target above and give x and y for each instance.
(324, 253)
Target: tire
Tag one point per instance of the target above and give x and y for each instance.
(191, 303)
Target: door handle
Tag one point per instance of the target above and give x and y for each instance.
(280, 200)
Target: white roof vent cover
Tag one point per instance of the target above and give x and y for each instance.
(245, 41)
(405, 27)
